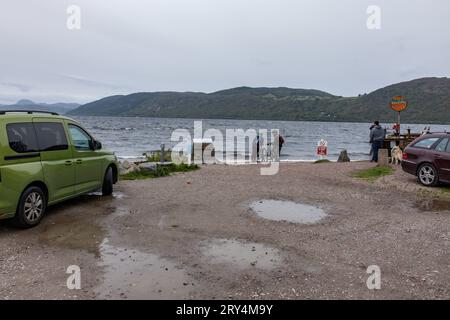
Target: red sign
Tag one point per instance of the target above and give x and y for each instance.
(399, 103)
(322, 150)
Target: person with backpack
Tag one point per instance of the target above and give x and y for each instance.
(377, 136)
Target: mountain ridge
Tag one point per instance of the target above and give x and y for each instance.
(26, 104)
(429, 102)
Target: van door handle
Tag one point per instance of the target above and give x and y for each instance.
(79, 161)
(68, 163)
(437, 155)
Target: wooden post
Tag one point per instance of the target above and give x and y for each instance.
(383, 157)
(161, 158)
(197, 155)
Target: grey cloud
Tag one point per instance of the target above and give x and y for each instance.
(126, 46)
(90, 83)
(20, 87)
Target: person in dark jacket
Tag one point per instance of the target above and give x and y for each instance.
(280, 143)
(371, 146)
(258, 139)
(377, 135)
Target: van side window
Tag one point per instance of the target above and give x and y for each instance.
(22, 137)
(51, 136)
(81, 140)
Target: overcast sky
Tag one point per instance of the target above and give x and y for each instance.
(127, 46)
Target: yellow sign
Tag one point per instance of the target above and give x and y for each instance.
(399, 103)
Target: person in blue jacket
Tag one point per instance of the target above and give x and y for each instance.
(377, 136)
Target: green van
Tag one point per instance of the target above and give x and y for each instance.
(45, 159)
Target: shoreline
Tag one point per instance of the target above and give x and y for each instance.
(139, 159)
(244, 119)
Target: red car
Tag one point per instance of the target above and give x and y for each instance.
(428, 158)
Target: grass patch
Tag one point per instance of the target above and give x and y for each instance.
(322, 161)
(445, 190)
(373, 173)
(160, 171)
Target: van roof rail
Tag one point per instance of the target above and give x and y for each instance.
(2, 112)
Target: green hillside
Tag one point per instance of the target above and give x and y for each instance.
(429, 102)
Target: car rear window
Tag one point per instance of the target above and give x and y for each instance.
(22, 137)
(51, 136)
(426, 143)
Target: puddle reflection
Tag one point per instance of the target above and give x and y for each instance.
(131, 274)
(433, 205)
(287, 211)
(241, 255)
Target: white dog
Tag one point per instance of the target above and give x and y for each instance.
(396, 155)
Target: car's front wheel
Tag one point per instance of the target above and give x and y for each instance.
(108, 181)
(31, 208)
(428, 175)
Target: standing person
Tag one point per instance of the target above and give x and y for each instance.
(277, 136)
(280, 143)
(396, 128)
(258, 141)
(371, 145)
(377, 135)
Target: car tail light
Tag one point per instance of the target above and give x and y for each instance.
(405, 156)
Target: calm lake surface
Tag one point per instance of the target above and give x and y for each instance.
(130, 137)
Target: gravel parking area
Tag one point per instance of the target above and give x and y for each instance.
(194, 236)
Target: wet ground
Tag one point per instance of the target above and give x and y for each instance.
(433, 205)
(226, 232)
(288, 211)
(132, 274)
(241, 255)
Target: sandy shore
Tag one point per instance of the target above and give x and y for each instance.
(193, 235)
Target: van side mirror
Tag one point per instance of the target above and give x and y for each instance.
(96, 145)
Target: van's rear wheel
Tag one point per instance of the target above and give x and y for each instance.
(107, 188)
(31, 208)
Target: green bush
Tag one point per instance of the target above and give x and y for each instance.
(160, 171)
(156, 156)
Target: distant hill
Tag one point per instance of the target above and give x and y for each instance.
(429, 102)
(24, 104)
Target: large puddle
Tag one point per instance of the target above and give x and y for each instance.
(131, 274)
(116, 195)
(72, 232)
(121, 211)
(433, 205)
(287, 211)
(241, 255)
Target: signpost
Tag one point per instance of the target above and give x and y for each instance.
(322, 149)
(399, 104)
